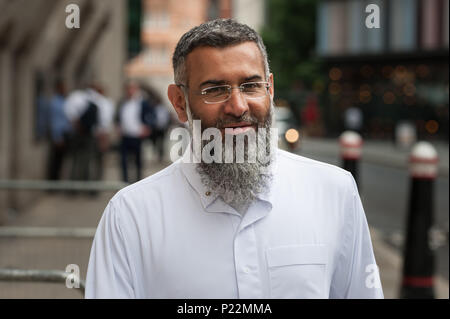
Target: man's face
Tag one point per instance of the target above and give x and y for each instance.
(232, 65)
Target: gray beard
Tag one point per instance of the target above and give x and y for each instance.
(239, 183)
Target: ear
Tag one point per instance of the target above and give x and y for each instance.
(272, 87)
(176, 97)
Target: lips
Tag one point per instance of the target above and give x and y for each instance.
(238, 128)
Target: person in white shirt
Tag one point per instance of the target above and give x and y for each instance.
(133, 127)
(161, 123)
(77, 102)
(91, 116)
(289, 227)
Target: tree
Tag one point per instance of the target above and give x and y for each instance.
(290, 37)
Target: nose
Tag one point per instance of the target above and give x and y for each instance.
(236, 105)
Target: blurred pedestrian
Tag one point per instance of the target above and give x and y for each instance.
(134, 119)
(60, 129)
(42, 129)
(160, 125)
(91, 116)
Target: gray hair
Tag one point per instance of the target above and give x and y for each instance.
(217, 33)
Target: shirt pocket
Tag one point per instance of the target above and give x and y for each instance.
(297, 271)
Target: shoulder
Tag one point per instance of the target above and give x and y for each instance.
(312, 171)
(76, 97)
(149, 189)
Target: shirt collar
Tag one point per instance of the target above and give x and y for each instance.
(190, 171)
(207, 197)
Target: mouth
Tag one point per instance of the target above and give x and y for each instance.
(238, 128)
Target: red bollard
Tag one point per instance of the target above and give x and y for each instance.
(418, 262)
(351, 150)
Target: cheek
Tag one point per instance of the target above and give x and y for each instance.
(260, 110)
(207, 113)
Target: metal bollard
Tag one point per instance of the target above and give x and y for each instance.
(418, 262)
(351, 147)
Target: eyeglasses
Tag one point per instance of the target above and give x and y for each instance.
(222, 93)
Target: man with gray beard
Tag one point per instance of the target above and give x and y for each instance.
(238, 184)
(281, 226)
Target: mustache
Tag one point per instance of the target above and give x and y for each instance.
(221, 123)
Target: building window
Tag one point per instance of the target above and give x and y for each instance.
(156, 55)
(157, 20)
(157, 15)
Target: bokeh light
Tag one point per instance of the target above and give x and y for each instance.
(292, 135)
(335, 74)
(432, 126)
(334, 88)
(409, 89)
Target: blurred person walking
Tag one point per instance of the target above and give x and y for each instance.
(161, 123)
(91, 116)
(60, 129)
(42, 129)
(134, 119)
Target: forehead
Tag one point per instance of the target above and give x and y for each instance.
(226, 64)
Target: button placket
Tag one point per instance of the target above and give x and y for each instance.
(246, 264)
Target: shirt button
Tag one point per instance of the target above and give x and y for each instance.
(246, 270)
(208, 193)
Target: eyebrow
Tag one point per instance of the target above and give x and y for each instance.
(253, 77)
(213, 82)
(221, 82)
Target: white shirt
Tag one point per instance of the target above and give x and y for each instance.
(130, 117)
(307, 237)
(77, 102)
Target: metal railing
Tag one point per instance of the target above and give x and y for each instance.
(39, 275)
(58, 232)
(42, 185)
(50, 275)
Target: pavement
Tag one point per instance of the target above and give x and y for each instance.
(83, 212)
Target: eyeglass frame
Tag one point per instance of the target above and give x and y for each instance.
(230, 88)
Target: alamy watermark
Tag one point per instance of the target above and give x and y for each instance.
(73, 19)
(73, 277)
(373, 19)
(373, 279)
(240, 145)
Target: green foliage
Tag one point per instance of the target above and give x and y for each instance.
(290, 37)
(134, 27)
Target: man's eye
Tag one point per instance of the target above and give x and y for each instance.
(215, 91)
(249, 87)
